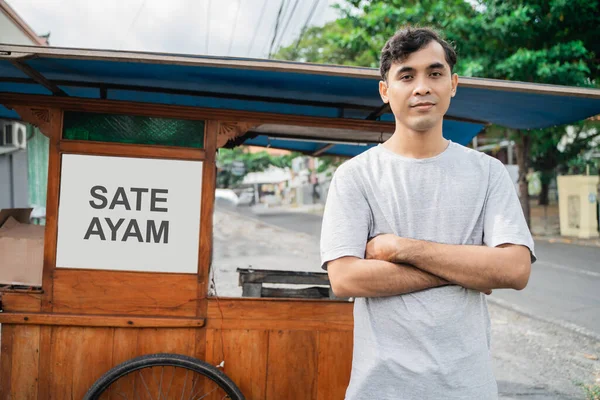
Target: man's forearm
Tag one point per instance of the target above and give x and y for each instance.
(354, 277)
(474, 267)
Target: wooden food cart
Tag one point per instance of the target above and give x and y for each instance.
(130, 197)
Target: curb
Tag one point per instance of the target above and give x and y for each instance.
(562, 324)
(570, 241)
(258, 221)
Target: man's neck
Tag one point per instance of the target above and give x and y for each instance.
(413, 144)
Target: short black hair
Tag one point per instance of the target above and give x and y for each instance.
(407, 41)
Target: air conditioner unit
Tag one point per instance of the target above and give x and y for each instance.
(14, 135)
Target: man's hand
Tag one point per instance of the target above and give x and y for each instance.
(383, 247)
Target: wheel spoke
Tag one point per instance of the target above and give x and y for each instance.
(146, 386)
(184, 383)
(171, 382)
(162, 371)
(156, 383)
(200, 398)
(194, 382)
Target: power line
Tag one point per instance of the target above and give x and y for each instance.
(276, 27)
(262, 13)
(266, 46)
(303, 30)
(207, 26)
(232, 36)
(139, 11)
(287, 24)
(135, 18)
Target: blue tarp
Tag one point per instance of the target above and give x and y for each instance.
(279, 87)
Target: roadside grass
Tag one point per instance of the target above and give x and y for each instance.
(592, 392)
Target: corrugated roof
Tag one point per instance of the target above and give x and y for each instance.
(286, 88)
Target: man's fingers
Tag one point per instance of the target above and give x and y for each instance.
(488, 292)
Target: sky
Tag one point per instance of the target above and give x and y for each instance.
(170, 26)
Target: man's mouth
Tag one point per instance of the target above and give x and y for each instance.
(423, 106)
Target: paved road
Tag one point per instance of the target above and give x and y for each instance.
(564, 286)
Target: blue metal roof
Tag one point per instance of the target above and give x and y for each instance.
(287, 88)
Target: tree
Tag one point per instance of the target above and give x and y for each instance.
(543, 41)
(230, 174)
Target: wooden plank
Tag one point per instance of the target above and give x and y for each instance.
(194, 113)
(245, 355)
(281, 309)
(6, 357)
(292, 373)
(299, 325)
(25, 362)
(131, 150)
(50, 238)
(206, 211)
(86, 320)
(92, 357)
(180, 341)
(335, 364)
(22, 302)
(51, 230)
(125, 347)
(63, 345)
(124, 293)
(45, 359)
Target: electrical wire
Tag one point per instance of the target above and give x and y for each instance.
(287, 24)
(276, 27)
(303, 30)
(262, 13)
(133, 21)
(137, 15)
(232, 36)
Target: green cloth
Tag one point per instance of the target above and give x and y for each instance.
(37, 159)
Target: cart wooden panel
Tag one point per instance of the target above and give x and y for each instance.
(273, 349)
(56, 343)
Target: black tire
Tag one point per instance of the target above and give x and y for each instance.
(163, 359)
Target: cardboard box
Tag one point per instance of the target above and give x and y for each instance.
(21, 248)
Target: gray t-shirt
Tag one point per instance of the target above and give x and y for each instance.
(435, 343)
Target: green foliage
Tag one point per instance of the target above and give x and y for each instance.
(358, 36)
(253, 162)
(543, 41)
(592, 392)
(328, 164)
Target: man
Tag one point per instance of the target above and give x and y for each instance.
(417, 229)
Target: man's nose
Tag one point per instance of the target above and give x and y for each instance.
(421, 88)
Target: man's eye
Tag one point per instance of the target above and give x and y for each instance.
(436, 74)
(405, 77)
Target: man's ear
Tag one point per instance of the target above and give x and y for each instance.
(454, 84)
(383, 91)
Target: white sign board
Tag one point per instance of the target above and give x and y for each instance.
(129, 214)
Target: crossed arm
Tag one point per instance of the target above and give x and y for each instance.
(396, 265)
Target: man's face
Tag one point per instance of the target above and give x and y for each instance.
(419, 88)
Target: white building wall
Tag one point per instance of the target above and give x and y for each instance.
(11, 34)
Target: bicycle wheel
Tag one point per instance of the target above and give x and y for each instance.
(164, 376)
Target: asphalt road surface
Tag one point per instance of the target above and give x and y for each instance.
(564, 287)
